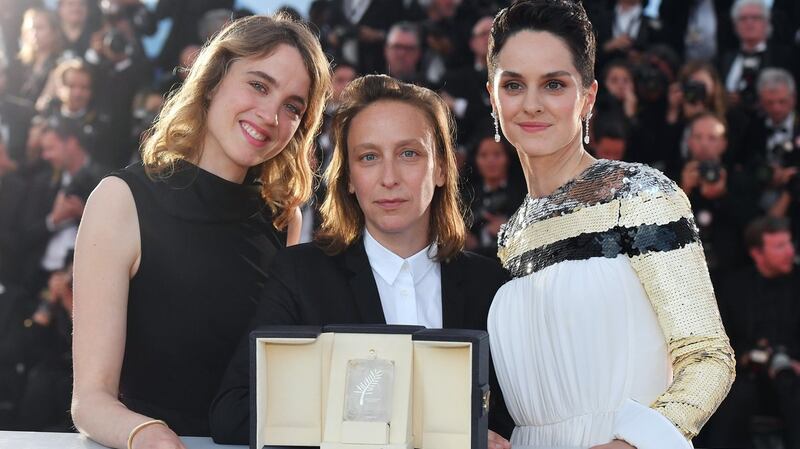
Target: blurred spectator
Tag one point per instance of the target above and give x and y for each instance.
(12, 196)
(185, 16)
(774, 135)
(740, 67)
(179, 73)
(211, 23)
(46, 337)
(697, 29)
(15, 118)
(119, 72)
(343, 74)
(773, 141)
(49, 222)
(761, 312)
(697, 90)
(609, 137)
(76, 27)
(358, 30)
(653, 75)
(722, 198)
(403, 52)
(623, 29)
(619, 92)
(464, 89)
(494, 193)
(146, 106)
(11, 13)
(41, 43)
(73, 86)
(447, 28)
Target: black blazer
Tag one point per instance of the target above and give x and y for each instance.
(674, 17)
(308, 287)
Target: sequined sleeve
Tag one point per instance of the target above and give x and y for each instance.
(619, 208)
(678, 285)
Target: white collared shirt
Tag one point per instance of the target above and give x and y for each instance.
(733, 81)
(627, 21)
(410, 289)
(779, 138)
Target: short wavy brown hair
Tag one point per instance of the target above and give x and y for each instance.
(178, 132)
(342, 217)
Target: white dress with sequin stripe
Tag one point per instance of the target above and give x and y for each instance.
(610, 328)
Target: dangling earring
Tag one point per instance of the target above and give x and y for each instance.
(496, 128)
(586, 128)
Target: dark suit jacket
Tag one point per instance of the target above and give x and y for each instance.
(380, 15)
(674, 16)
(16, 113)
(308, 287)
(755, 144)
(776, 55)
(12, 196)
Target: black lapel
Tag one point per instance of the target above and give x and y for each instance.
(453, 295)
(362, 284)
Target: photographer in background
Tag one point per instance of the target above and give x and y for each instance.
(498, 189)
(36, 357)
(72, 100)
(741, 67)
(773, 143)
(120, 69)
(761, 312)
(721, 197)
(49, 221)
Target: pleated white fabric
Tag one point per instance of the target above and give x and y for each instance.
(579, 356)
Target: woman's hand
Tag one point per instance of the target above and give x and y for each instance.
(498, 442)
(156, 436)
(616, 444)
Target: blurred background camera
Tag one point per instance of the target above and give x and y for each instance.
(694, 92)
(710, 171)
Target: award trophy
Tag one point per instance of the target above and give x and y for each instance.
(368, 394)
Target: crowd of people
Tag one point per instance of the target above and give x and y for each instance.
(706, 93)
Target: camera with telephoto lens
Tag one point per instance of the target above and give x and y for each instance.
(710, 171)
(116, 42)
(694, 92)
(650, 81)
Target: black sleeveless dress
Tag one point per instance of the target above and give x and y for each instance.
(205, 246)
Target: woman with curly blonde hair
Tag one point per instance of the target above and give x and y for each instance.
(172, 253)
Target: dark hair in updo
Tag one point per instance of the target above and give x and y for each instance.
(563, 18)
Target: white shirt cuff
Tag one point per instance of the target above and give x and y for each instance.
(645, 428)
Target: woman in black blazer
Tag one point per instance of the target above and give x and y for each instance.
(391, 215)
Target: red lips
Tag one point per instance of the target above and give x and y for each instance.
(533, 127)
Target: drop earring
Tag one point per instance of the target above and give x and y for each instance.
(496, 128)
(586, 128)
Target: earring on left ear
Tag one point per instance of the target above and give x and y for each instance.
(496, 128)
(586, 128)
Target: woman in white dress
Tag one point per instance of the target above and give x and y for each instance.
(608, 335)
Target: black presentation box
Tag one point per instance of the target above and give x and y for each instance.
(302, 391)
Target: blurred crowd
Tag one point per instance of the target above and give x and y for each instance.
(706, 92)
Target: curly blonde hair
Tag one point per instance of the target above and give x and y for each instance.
(342, 217)
(178, 132)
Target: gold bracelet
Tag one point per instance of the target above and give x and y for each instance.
(142, 426)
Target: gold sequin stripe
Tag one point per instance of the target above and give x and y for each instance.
(643, 208)
(680, 291)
